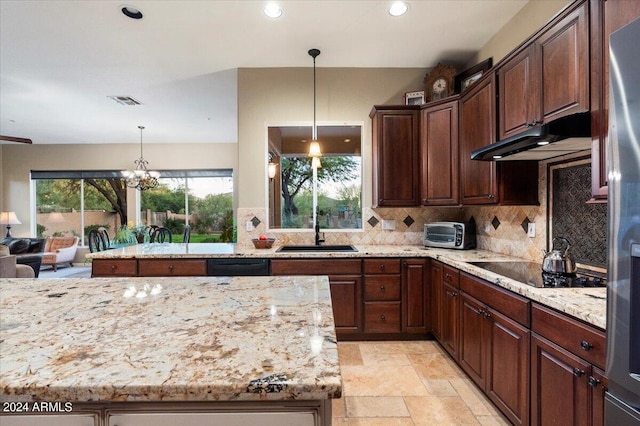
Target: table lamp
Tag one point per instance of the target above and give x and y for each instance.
(9, 218)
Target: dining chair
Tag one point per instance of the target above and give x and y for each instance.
(161, 235)
(96, 241)
(186, 235)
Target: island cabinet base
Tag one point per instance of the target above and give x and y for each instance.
(235, 413)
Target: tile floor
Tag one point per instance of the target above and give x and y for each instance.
(407, 383)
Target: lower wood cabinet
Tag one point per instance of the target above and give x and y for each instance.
(416, 311)
(169, 268)
(114, 268)
(450, 311)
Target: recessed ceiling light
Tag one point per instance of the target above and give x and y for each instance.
(272, 10)
(543, 143)
(398, 8)
(347, 140)
(131, 12)
(497, 157)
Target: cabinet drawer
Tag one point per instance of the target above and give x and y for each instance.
(382, 317)
(382, 287)
(316, 267)
(382, 266)
(580, 339)
(113, 268)
(510, 304)
(168, 268)
(451, 276)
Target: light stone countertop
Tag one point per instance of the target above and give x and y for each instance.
(587, 304)
(189, 339)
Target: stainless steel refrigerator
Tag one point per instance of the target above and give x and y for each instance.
(622, 401)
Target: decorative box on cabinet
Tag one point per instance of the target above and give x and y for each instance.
(396, 167)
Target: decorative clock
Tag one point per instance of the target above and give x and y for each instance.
(439, 82)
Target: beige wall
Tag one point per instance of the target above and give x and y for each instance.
(533, 16)
(18, 160)
(269, 95)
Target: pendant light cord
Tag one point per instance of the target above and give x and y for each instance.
(314, 54)
(141, 128)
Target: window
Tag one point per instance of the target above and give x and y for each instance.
(339, 179)
(74, 202)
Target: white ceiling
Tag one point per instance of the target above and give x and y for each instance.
(60, 60)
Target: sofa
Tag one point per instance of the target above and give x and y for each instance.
(60, 250)
(10, 269)
(28, 251)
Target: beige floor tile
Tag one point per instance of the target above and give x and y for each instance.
(473, 397)
(362, 421)
(429, 411)
(415, 347)
(492, 421)
(349, 354)
(439, 387)
(381, 381)
(338, 408)
(435, 366)
(376, 406)
(379, 359)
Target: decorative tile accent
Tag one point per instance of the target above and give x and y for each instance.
(495, 222)
(255, 222)
(525, 224)
(373, 221)
(408, 221)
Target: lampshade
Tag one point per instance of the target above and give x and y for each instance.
(315, 163)
(272, 170)
(314, 149)
(9, 218)
(56, 217)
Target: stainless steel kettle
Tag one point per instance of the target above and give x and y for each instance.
(557, 261)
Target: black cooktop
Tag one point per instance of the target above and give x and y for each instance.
(531, 273)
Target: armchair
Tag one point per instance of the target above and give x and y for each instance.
(10, 269)
(59, 250)
(28, 251)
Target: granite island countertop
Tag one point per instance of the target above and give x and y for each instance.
(587, 304)
(168, 339)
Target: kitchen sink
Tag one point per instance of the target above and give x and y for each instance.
(321, 248)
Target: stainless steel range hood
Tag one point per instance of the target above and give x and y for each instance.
(562, 136)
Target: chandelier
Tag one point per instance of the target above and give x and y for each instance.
(140, 178)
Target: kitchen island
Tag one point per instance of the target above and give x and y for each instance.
(200, 346)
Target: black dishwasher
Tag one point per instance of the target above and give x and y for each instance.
(227, 267)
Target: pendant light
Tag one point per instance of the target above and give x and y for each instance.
(314, 146)
(141, 178)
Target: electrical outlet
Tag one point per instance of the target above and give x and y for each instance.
(249, 226)
(531, 230)
(388, 225)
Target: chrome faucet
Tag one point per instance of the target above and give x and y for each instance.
(317, 227)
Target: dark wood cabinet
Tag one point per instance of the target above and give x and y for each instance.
(415, 296)
(439, 154)
(606, 17)
(436, 285)
(549, 78)
(478, 179)
(172, 268)
(450, 311)
(491, 341)
(114, 268)
(345, 282)
(567, 358)
(382, 299)
(396, 166)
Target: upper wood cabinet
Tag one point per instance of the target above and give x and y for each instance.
(396, 166)
(606, 17)
(439, 153)
(549, 78)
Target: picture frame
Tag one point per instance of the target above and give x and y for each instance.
(414, 98)
(466, 78)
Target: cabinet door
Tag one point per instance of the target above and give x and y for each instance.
(437, 292)
(606, 17)
(450, 320)
(439, 152)
(346, 300)
(114, 268)
(507, 382)
(51, 420)
(415, 296)
(478, 179)
(559, 389)
(563, 61)
(395, 157)
(518, 102)
(473, 339)
(599, 385)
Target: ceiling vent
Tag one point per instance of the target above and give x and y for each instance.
(125, 100)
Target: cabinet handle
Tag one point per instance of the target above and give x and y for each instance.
(170, 268)
(577, 372)
(382, 288)
(113, 267)
(486, 314)
(452, 293)
(383, 318)
(491, 196)
(405, 264)
(480, 311)
(586, 345)
(447, 276)
(593, 382)
(382, 267)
